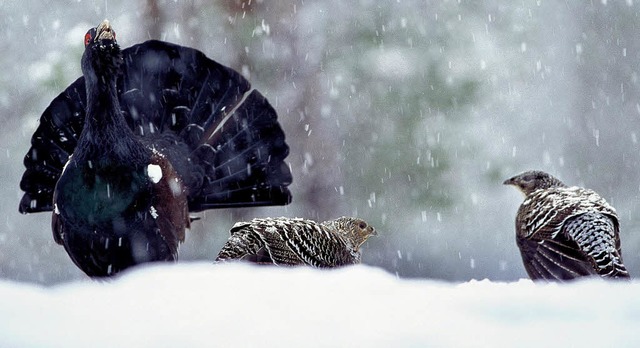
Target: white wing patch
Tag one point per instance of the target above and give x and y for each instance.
(154, 172)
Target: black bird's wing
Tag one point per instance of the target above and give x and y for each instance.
(235, 146)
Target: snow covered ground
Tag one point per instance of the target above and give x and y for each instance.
(204, 305)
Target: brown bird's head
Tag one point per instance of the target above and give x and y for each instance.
(355, 230)
(532, 180)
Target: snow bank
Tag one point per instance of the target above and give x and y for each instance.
(204, 305)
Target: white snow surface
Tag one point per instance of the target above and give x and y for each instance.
(238, 305)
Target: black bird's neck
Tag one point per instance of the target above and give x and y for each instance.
(106, 134)
(103, 107)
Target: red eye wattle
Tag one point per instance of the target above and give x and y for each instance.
(87, 38)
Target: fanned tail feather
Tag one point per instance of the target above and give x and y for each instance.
(244, 158)
(51, 145)
(232, 132)
(596, 236)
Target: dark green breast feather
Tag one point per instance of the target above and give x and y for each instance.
(101, 194)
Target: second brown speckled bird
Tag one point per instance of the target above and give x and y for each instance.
(566, 232)
(286, 241)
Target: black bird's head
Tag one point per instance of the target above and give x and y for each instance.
(532, 180)
(102, 56)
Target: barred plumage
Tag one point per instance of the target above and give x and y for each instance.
(285, 241)
(566, 232)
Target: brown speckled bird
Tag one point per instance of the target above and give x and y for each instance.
(285, 241)
(565, 232)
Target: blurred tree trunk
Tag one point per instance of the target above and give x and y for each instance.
(191, 22)
(260, 34)
(154, 19)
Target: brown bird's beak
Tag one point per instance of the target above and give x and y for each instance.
(513, 182)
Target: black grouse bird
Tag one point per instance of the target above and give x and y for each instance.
(146, 136)
(566, 232)
(285, 241)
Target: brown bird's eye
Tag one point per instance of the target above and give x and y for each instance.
(362, 225)
(87, 38)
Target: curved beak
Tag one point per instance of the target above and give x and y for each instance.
(104, 32)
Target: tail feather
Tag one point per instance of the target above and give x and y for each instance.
(231, 131)
(244, 158)
(243, 242)
(597, 237)
(159, 77)
(51, 145)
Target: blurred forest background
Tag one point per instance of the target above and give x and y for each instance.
(407, 113)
